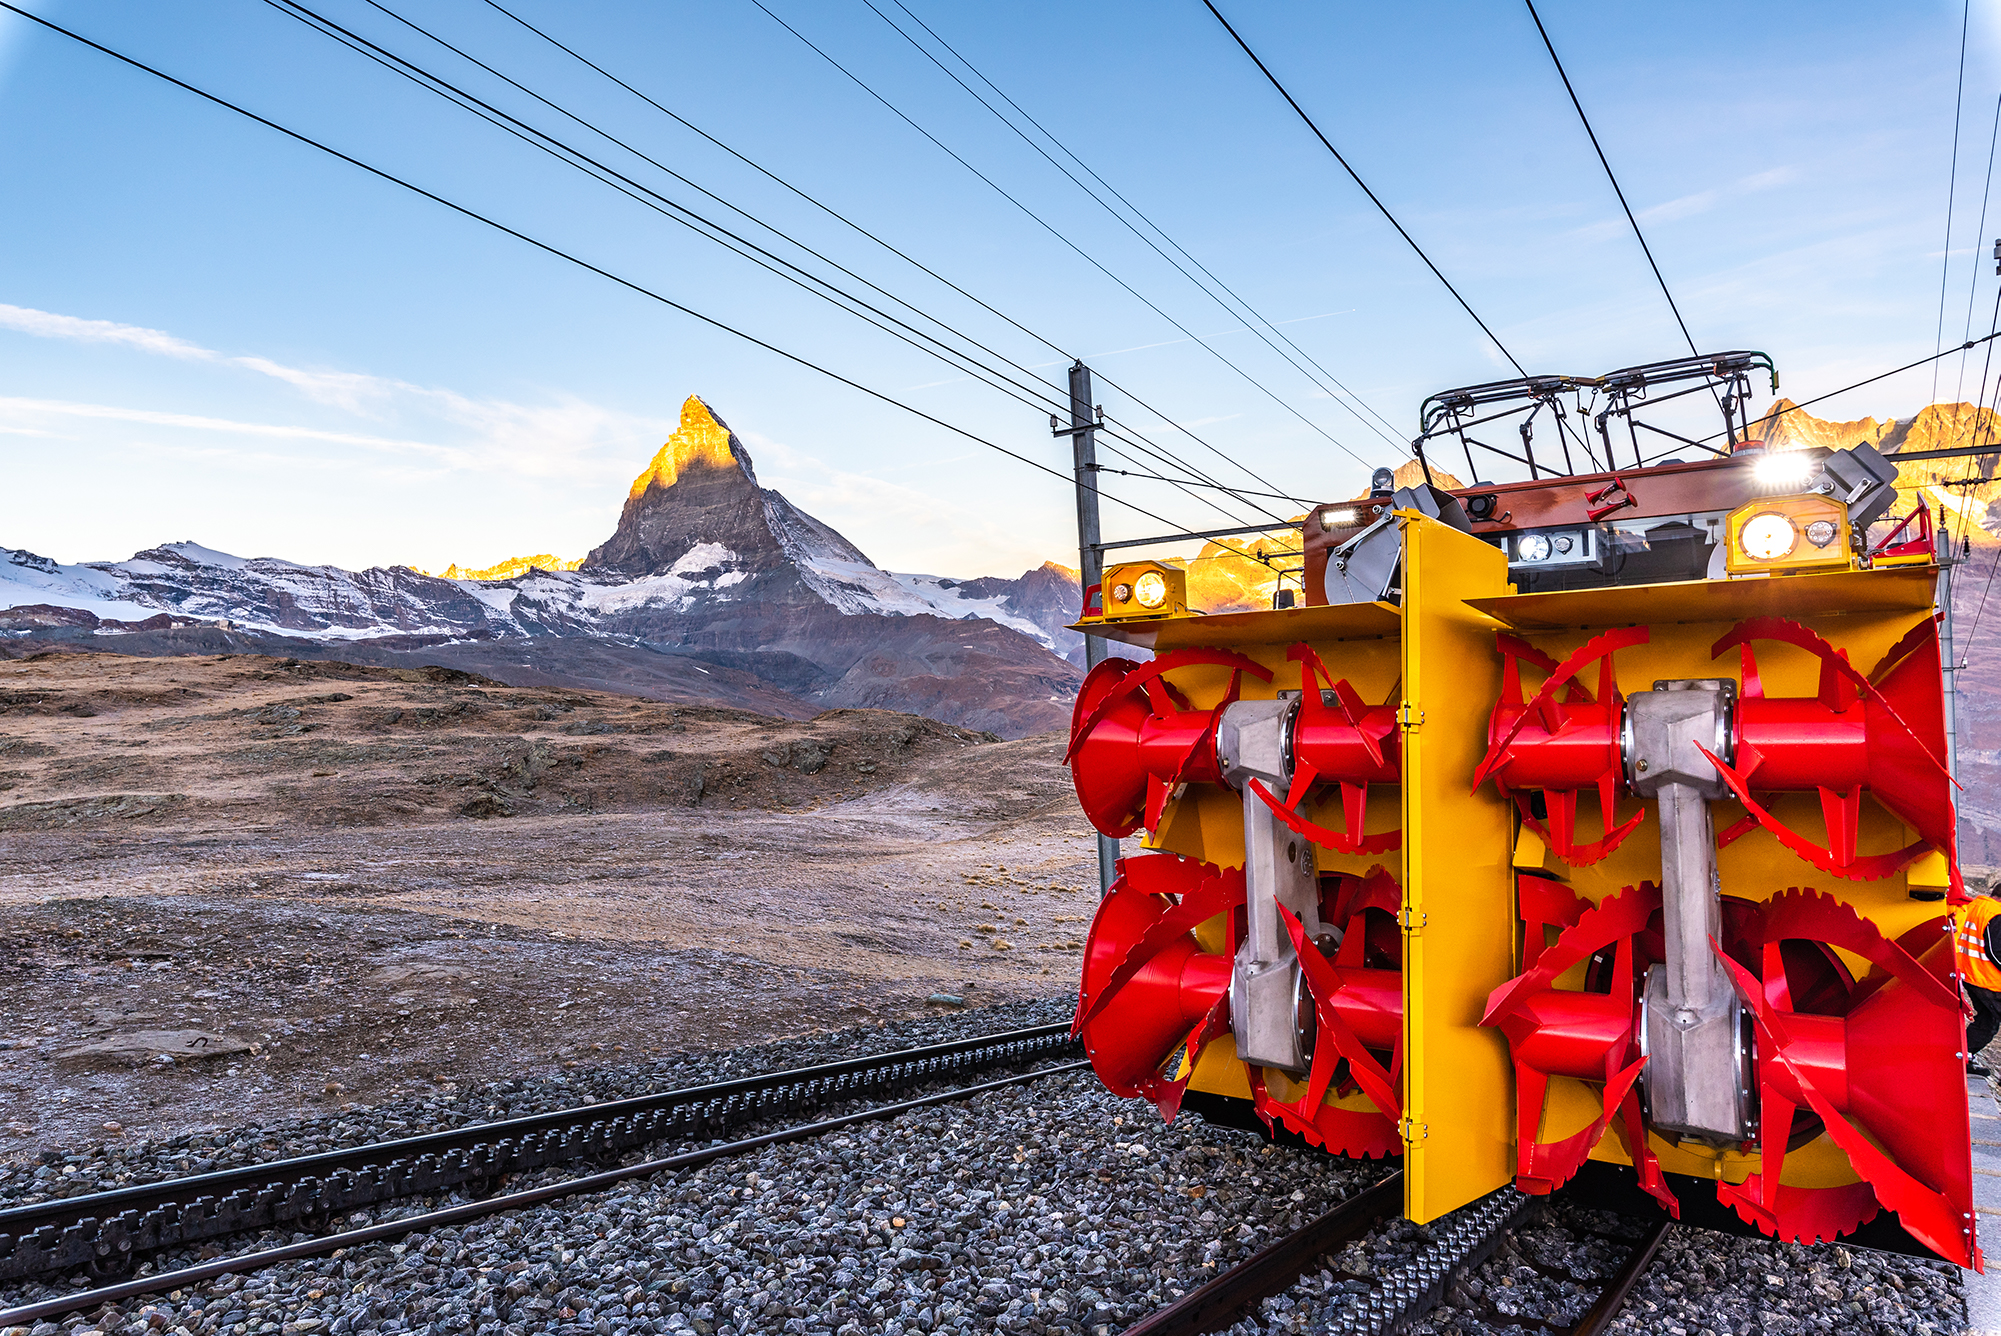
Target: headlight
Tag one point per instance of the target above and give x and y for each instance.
(1821, 532)
(1783, 470)
(1769, 536)
(1122, 593)
(1338, 517)
(1533, 547)
(1150, 589)
(1564, 542)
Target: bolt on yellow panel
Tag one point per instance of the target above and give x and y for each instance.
(1459, 904)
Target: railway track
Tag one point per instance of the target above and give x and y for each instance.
(105, 1233)
(245, 1263)
(1459, 1243)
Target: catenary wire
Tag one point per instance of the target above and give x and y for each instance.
(1604, 162)
(1255, 319)
(739, 245)
(435, 84)
(557, 148)
(561, 254)
(1353, 175)
(1952, 182)
(1979, 231)
(1175, 461)
(1964, 650)
(1234, 461)
(1982, 416)
(1881, 375)
(850, 223)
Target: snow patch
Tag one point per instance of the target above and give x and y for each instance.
(206, 556)
(943, 597)
(703, 557)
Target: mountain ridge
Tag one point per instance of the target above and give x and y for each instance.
(709, 581)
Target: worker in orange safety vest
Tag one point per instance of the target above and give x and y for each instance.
(1976, 946)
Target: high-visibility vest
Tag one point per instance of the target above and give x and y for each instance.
(1969, 942)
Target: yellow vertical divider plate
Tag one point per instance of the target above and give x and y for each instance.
(1459, 910)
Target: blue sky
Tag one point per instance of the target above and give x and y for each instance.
(209, 331)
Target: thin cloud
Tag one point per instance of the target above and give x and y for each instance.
(64, 408)
(49, 325)
(1689, 206)
(535, 440)
(1685, 207)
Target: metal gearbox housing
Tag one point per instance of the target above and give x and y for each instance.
(1695, 1077)
(1254, 742)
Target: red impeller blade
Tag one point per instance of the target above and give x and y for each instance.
(1339, 841)
(1897, 1107)
(1131, 1029)
(1352, 1132)
(1543, 705)
(1581, 1035)
(1863, 867)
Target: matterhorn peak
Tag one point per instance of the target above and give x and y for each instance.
(699, 491)
(704, 441)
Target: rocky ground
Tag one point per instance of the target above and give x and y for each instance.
(237, 889)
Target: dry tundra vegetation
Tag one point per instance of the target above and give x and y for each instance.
(239, 888)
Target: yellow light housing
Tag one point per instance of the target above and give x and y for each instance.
(1787, 533)
(1145, 589)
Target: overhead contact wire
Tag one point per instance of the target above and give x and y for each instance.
(1040, 221)
(843, 219)
(1979, 231)
(955, 358)
(1604, 162)
(1952, 182)
(1871, 380)
(1355, 176)
(561, 254)
(681, 214)
(1123, 220)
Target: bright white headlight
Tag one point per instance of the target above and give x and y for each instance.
(1769, 536)
(1150, 589)
(1532, 547)
(1783, 470)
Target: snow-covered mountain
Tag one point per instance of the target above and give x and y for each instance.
(704, 565)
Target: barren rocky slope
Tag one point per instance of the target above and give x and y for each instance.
(311, 884)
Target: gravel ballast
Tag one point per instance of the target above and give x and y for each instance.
(1050, 1206)
(1700, 1283)
(1044, 1207)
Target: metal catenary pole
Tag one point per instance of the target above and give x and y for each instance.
(1090, 552)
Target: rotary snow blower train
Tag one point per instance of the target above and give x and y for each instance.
(1366, 909)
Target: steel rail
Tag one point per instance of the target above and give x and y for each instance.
(1598, 1318)
(1271, 1269)
(1460, 1242)
(105, 1229)
(513, 1201)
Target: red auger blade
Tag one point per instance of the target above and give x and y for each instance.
(1582, 1035)
(1132, 737)
(1353, 841)
(1884, 1076)
(1857, 867)
(1344, 990)
(1143, 993)
(1563, 740)
(1892, 745)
